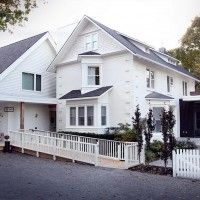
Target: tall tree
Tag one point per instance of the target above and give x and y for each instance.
(14, 12)
(138, 126)
(189, 51)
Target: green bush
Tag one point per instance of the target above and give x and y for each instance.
(150, 156)
(185, 145)
(121, 133)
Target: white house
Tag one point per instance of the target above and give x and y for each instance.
(103, 74)
(27, 90)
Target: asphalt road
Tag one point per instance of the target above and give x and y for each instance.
(25, 177)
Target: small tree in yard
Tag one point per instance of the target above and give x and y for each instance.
(165, 132)
(138, 126)
(150, 127)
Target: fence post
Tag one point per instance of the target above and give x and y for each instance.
(22, 142)
(54, 146)
(119, 150)
(142, 156)
(174, 163)
(97, 154)
(126, 156)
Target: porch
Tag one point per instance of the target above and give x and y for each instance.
(27, 113)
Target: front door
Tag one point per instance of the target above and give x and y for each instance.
(53, 121)
(3, 121)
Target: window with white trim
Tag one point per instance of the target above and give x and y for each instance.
(31, 81)
(185, 88)
(150, 78)
(91, 42)
(90, 115)
(157, 111)
(93, 75)
(81, 116)
(170, 83)
(103, 116)
(72, 116)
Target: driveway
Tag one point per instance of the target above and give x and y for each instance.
(24, 177)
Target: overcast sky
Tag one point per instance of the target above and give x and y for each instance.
(156, 22)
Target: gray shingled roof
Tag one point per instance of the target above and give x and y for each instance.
(10, 53)
(89, 53)
(156, 95)
(126, 41)
(76, 94)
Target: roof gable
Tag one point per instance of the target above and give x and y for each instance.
(156, 95)
(10, 53)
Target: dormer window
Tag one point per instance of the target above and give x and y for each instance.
(147, 50)
(93, 75)
(91, 42)
(172, 61)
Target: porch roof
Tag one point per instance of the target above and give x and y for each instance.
(76, 94)
(27, 99)
(158, 96)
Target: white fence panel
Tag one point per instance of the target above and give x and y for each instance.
(186, 163)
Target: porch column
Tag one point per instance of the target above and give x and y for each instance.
(21, 115)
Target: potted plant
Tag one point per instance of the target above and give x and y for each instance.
(7, 147)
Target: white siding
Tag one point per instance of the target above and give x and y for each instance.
(37, 62)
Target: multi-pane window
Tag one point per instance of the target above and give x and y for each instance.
(170, 83)
(184, 85)
(157, 111)
(73, 116)
(31, 81)
(93, 75)
(150, 78)
(90, 115)
(81, 116)
(103, 115)
(91, 42)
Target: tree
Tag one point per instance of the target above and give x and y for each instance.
(138, 126)
(14, 12)
(189, 51)
(150, 127)
(165, 129)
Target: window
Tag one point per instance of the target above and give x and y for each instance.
(150, 78)
(91, 42)
(157, 111)
(172, 61)
(184, 85)
(93, 76)
(197, 120)
(103, 115)
(170, 83)
(72, 116)
(81, 116)
(90, 115)
(31, 81)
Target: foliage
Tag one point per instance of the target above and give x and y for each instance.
(189, 51)
(138, 126)
(185, 145)
(154, 152)
(150, 126)
(123, 132)
(14, 12)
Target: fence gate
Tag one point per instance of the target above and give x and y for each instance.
(186, 163)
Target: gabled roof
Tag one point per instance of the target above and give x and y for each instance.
(10, 53)
(76, 94)
(156, 95)
(89, 53)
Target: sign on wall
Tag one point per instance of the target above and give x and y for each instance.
(8, 109)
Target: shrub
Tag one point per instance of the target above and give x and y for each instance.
(185, 145)
(150, 156)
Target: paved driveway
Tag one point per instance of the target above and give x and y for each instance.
(24, 177)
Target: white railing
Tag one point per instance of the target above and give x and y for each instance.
(186, 163)
(108, 148)
(132, 156)
(75, 150)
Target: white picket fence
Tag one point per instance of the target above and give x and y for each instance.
(75, 147)
(186, 163)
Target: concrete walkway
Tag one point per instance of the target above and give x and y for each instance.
(29, 178)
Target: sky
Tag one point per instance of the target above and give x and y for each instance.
(159, 23)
